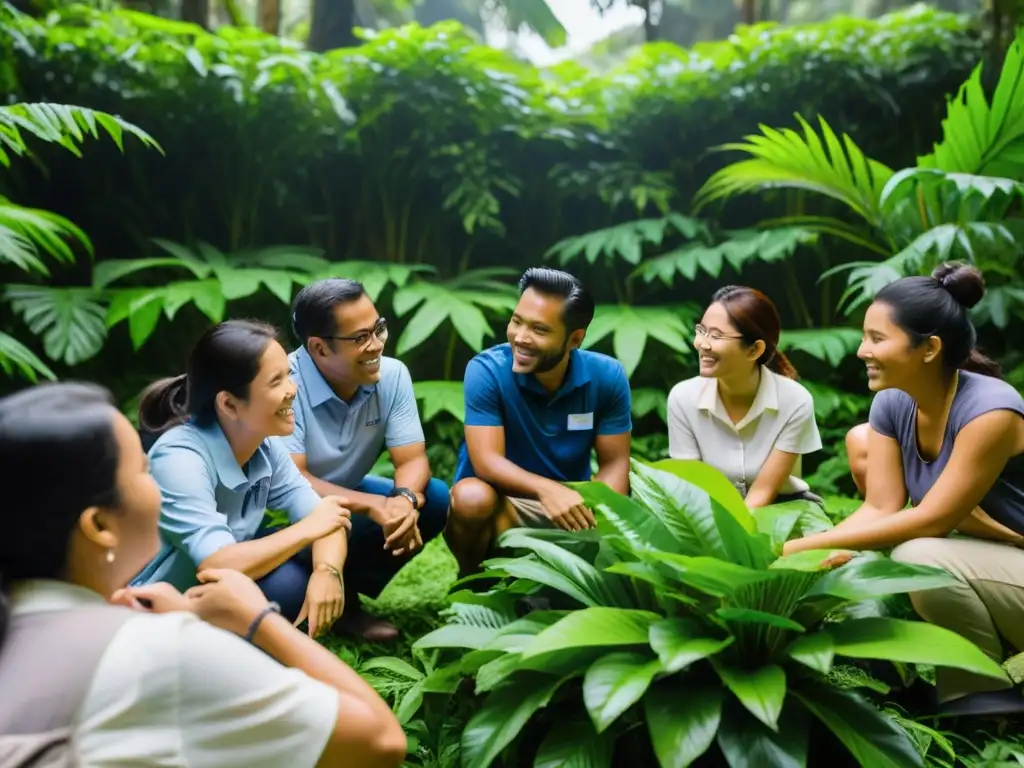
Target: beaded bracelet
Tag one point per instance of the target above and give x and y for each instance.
(272, 607)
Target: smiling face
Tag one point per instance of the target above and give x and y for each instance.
(537, 333)
(889, 354)
(353, 355)
(721, 349)
(268, 409)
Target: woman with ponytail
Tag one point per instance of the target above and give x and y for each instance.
(96, 673)
(946, 432)
(745, 414)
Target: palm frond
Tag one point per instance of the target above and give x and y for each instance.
(16, 358)
(26, 234)
(982, 138)
(786, 159)
(62, 124)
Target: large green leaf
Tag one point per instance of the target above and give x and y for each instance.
(621, 516)
(574, 744)
(682, 719)
(761, 691)
(614, 683)
(866, 577)
(624, 241)
(594, 627)
(784, 158)
(440, 397)
(983, 138)
(15, 357)
(601, 588)
(28, 233)
(715, 483)
(503, 716)
(680, 642)
(747, 742)
(872, 738)
(69, 320)
(915, 642)
(630, 326)
(711, 575)
(790, 519)
(829, 345)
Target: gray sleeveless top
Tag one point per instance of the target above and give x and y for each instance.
(894, 414)
(47, 663)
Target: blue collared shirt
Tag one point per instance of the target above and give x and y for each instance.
(548, 435)
(209, 502)
(342, 440)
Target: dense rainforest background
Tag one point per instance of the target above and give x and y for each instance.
(436, 167)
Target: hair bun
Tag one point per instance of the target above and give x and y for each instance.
(962, 281)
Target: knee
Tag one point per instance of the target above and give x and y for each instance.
(857, 443)
(929, 552)
(434, 513)
(473, 500)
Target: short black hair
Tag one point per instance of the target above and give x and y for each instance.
(313, 308)
(578, 312)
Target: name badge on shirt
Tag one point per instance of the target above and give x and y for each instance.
(580, 421)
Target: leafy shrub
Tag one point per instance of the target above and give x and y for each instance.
(677, 617)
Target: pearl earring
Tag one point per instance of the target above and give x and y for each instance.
(110, 555)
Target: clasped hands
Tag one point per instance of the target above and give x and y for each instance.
(399, 520)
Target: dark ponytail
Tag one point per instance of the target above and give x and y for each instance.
(66, 428)
(939, 305)
(756, 319)
(225, 359)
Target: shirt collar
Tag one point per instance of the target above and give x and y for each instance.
(34, 595)
(576, 376)
(224, 461)
(318, 390)
(765, 399)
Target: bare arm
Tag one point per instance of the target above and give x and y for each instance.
(979, 455)
(769, 480)
(366, 732)
(613, 461)
(258, 557)
(412, 470)
(359, 503)
(486, 447)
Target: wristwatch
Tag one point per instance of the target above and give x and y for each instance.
(407, 493)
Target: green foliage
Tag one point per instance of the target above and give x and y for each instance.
(675, 623)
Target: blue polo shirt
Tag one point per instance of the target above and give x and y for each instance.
(548, 435)
(209, 502)
(343, 440)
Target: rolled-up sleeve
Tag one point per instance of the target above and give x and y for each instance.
(290, 492)
(189, 519)
(403, 422)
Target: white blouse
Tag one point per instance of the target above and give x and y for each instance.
(172, 690)
(781, 416)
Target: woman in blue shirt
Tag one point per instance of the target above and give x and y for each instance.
(219, 470)
(946, 432)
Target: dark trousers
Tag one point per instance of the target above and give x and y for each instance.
(368, 567)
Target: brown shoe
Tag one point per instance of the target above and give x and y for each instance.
(368, 627)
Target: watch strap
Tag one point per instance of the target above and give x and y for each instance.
(407, 493)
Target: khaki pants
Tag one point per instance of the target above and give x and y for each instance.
(987, 607)
(530, 513)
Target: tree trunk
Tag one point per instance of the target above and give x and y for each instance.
(270, 16)
(331, 25)
(196, 12)
(749, 12)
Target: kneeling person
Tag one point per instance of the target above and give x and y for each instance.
(535, 409)
(352, 402)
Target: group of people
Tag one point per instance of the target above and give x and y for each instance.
(151, 592)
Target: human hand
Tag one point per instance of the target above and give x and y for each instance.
(565, 508)
(325, 600)
(327, 517)
(152, 598)
(399, 520)
(227, 599)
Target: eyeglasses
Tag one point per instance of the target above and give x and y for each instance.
(715, 334)
(362, 340)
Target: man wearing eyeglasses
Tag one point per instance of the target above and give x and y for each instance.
(352, 403)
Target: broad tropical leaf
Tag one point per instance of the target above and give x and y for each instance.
(631, 326)
(575, 744)
(594, 627)
(682, 720)
(440, 397)
(830, 345)
(374, 275)
(983, 138)
(784, 158)
(761, 691)
(624, 241)
(16, 358)
(716, 485)
(648, 400)
(28, 233)
(745, 741)
(616, 682)
(69, 320)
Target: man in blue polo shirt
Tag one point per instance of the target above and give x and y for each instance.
(352, 402)
(535, 408)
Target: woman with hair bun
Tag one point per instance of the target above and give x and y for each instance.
(946, 432)
(744, 414)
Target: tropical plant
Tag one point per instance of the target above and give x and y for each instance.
(28, 235)
(961, 201)
(677, 618)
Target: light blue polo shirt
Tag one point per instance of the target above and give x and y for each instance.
(343, 440)
(208, 502)
(548, 435)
